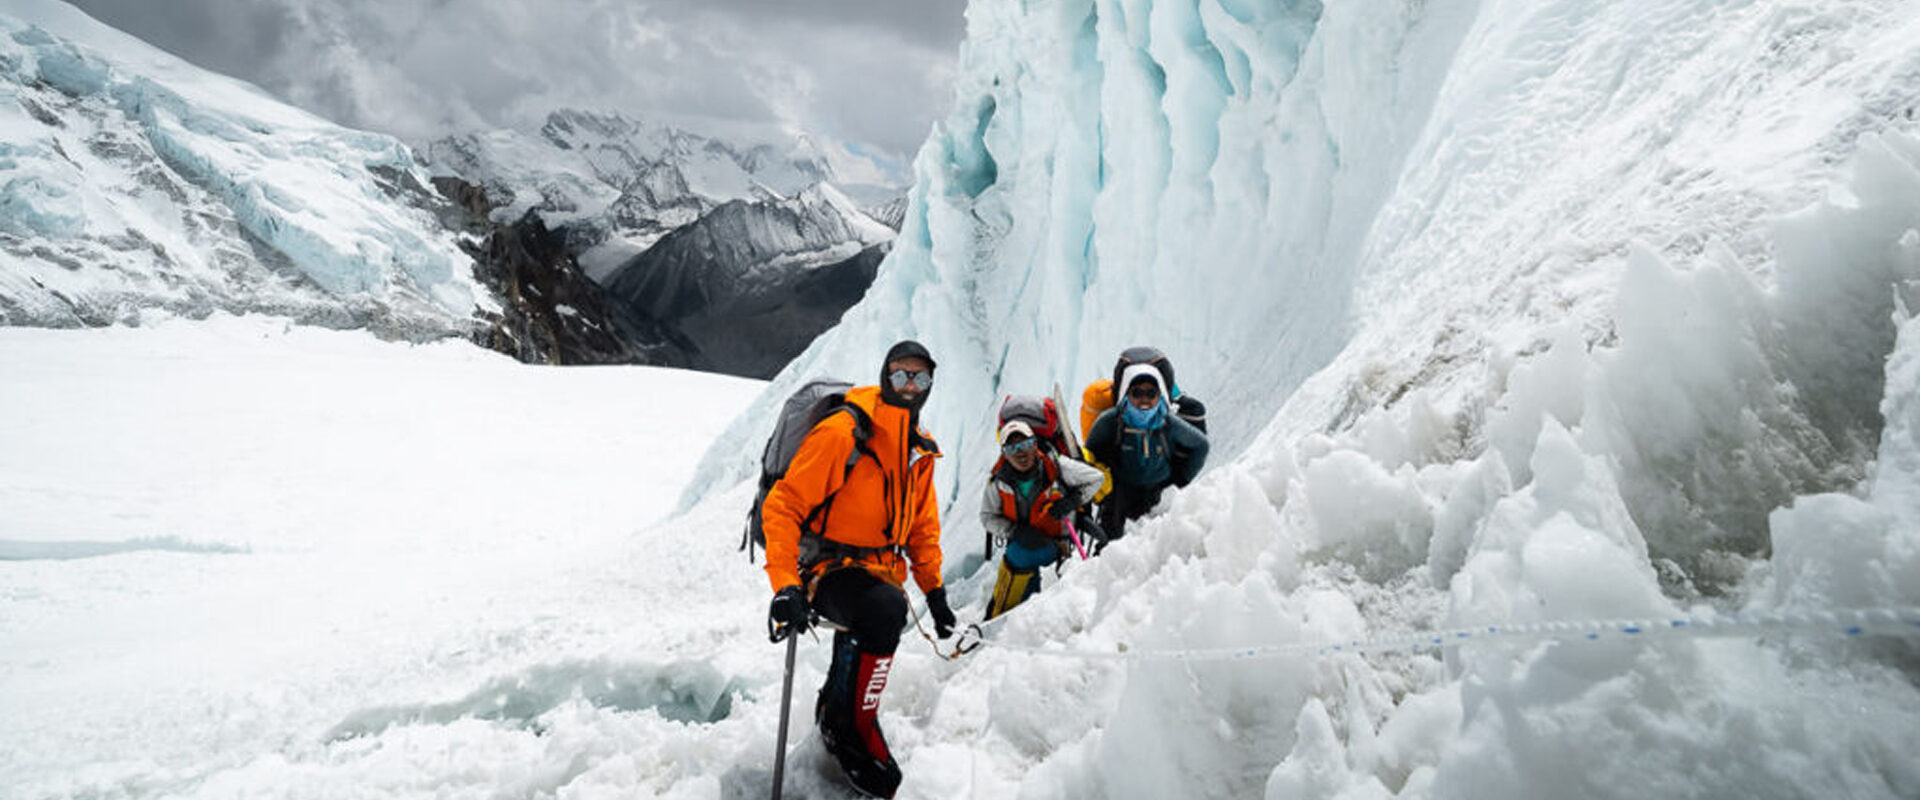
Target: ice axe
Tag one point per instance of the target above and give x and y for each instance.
(786, 702)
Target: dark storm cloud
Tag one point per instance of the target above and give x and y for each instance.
(229, 36)
(875, 72)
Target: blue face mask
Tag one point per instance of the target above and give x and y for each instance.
(1150, 419)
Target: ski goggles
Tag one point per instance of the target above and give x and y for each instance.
(899, 379)
(1022, 446)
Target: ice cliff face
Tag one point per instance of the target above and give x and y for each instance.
(1117, 174)
(1505, 311)
(750, 283)
(1333, 209)
(130, 179)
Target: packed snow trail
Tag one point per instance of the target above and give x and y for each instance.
(1838, 623)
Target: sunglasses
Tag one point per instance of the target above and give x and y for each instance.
(1022, 446)
(899, 378)
(1143, 393)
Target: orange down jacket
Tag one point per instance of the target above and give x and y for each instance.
(885, 501)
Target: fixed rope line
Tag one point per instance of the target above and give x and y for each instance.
(1850, 623)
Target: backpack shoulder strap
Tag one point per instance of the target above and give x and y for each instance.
(862, 433)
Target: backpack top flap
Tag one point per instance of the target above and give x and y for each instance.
(1042, 414)
(809, 404)
(1033, 410)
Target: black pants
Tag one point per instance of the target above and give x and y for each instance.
(873, 610)
(1127, 502)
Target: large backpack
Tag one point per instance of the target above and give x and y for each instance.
(813, 402)
(1040, 414)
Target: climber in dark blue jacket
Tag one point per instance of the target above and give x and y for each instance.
(1145, 446)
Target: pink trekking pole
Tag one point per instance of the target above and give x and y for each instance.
(1075, 535)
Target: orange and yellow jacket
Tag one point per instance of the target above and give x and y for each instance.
(885, 503)
(1003, 507)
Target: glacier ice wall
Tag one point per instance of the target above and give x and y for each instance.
(1506, 312)
(1327, 208)
(1194, 176)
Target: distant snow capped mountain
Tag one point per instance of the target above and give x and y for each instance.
(892, 213)
(130, 179)
(753, 282)
(616, 185)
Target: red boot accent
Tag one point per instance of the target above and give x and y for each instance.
(869, 680)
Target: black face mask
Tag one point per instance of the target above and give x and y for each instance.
(898, 400)
(904, 349)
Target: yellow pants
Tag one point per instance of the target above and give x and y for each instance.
(1011, 589)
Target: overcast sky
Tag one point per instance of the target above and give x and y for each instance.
(875, 72)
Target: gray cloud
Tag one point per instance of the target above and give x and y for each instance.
(933, 23)
(873, 72)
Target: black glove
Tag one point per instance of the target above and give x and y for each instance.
(1061, 507)
(1029, 536)
(787, 616)
(942, 615)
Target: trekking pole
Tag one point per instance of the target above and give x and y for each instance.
(1075, 534)
(786, 702)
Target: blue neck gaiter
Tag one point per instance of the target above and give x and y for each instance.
(1151, 419)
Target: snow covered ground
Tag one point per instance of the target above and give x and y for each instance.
(242, 559)
(248, 559)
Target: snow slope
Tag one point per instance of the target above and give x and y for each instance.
(297, 536)
(131, 179)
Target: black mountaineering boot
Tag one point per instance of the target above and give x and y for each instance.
(848, 715)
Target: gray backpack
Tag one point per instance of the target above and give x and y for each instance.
(813, 402)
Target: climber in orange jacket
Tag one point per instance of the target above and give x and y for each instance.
(865, 525)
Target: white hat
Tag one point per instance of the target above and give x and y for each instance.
(1015, 426)
(1136, 372)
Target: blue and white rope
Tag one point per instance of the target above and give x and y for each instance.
(1851, 623)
